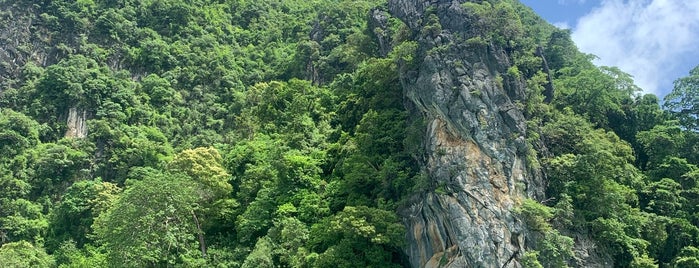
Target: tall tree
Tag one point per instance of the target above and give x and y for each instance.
(152, 223)
(683, 101)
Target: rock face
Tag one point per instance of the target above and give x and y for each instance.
(23, 38)
(76, 123)
(475, 145)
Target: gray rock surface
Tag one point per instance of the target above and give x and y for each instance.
(76, 123)
(475, 146)
(23, 39)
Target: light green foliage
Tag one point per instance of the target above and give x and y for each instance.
(295, 109)
(552, 248)
(151, 223)
(688, 257)
(404, 54)
(563, 212)
(126, 147)
(261, 255)
(69, 256)
(681, 233)
(642, 114)
(249, 164)
(57, 165)
(560, 50)
(536, 215)
(22, 220)
(664, 197)
(257, 218)
(660, 142)
(81, 82)
(160, 92)
(612, 233)
(555, 249)
(291, 235)
(597, 173)
(598, 156)
(432, 27)
(23, 254)
(497, 21)
(644, 262)
(203, 165)
(529, 260)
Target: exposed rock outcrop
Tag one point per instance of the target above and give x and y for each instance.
(24, 38)
(15, 34)
(76, 123)
(476, 151)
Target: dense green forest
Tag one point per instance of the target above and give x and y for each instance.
(236, 133)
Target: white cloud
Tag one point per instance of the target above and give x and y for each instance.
(647, 38)
(562, 25)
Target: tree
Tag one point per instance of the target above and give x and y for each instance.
(663, 197)
(69, 256)
(358, 237)
(81, 82)
(683, 101)
(123, 147)
(152, 223)
(595, 92)
(261, 256)
(21, 219)
(23, 254)
(57, 165)
(688, 257)
(291, 235)
(661, 142)
(18, 132)
(203, 165)
(73, 216)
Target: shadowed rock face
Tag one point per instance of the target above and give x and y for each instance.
(475, 146)
(22, 40)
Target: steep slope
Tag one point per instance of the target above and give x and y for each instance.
(332, 133)
(475, 144)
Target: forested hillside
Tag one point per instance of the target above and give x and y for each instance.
(282, 133)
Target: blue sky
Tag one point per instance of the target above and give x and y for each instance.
(656, 41)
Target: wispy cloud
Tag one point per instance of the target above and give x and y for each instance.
(562, 25)
(646, 38)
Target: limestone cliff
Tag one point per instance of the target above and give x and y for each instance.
(475, 145)
(24, 37)
(76, 123)
(29, 35)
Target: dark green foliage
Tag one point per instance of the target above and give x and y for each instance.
(358, 237)
(17, 132)
(73, 216)
(683, 101)
(124, 147)
(688, 257)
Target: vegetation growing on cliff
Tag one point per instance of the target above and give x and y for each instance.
(238, 133)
